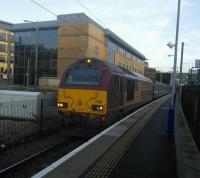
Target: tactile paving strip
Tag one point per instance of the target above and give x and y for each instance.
(107, 163)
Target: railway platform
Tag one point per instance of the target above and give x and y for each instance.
(136, 146)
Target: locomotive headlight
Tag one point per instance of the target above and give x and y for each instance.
(97, 107)
(89, 61)
(100, 108)
(62, 105)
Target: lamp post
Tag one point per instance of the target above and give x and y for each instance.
(171, 45)
(36, 51)
(181, 64)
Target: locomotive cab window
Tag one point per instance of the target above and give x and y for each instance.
(90, 77)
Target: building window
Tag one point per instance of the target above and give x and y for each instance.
(12, 49)
(121, 50)
(2, 70)
(133, 58)
(2, 58)
(2, 37)
(11, 38)
(2, 48)
(128, 54)
(12, 60)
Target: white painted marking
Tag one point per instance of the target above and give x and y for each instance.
(117, 132)
(84, 145)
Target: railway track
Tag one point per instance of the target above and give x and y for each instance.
(37, 161)
(28, 158)
(17, 164)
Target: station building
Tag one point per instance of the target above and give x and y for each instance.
(58, 43)
(6, 50)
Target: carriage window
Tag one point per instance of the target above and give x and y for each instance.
(83, 77)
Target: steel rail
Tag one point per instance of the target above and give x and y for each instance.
(22, 162)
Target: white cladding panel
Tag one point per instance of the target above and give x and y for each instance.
(20, 104)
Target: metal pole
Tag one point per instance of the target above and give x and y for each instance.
(8, 60)
(175, 56)
(36, 55)
(41, 115)
(28, 73)
(181, 64)
(171, 113)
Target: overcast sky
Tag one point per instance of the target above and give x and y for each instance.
(147, 25)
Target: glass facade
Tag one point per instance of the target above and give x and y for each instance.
(113, 47)
(25, 45)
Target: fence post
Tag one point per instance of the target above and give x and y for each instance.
(41, 115)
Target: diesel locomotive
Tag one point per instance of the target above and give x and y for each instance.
(95, 88)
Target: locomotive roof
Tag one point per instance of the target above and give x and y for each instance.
(114, 69)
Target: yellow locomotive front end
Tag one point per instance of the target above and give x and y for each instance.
(83, 90)
(89, 103)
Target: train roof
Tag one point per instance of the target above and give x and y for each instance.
(161, 83)
(114, 69)
(136, 75)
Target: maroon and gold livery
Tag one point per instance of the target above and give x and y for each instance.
(97, 89)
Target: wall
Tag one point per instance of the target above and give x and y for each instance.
(72, 45)
(78, 41)
(96, 43)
